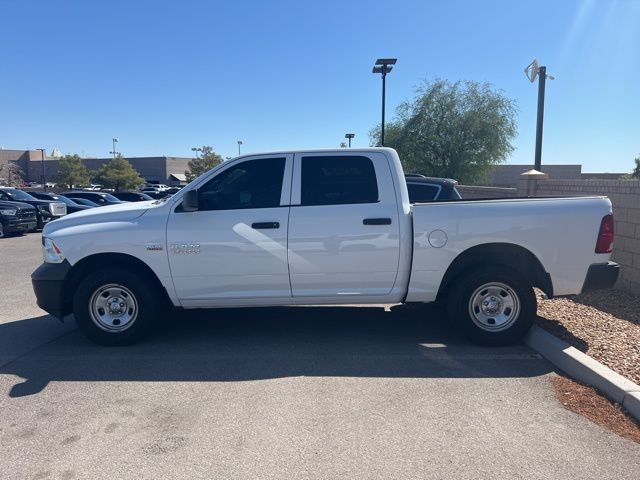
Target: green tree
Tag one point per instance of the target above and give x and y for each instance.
(636, 171)
(457, 130)
(11, 174)
(206, 161)
(71, 171)
(119, 175)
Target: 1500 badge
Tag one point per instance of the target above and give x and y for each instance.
(185, 248)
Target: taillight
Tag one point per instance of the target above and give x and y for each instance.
(605, 235)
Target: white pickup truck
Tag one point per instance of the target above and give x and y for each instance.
(320, 227)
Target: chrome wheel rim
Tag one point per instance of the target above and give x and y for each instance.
(494, 306)
(113, 308)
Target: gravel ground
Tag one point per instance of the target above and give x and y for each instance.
(605, 324)
(589, 403)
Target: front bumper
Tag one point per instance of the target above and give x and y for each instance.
(19, 225)
(48, 284)
(601, 275)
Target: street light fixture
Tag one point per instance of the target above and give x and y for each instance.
(349, 136)
(532, 71)
(196, 149)
(239, 143)
(44, 180)
(113, 152)
(383, 66)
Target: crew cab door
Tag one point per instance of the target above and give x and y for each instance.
(233, 249)
(343, 226)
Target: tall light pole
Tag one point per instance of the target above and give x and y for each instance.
(532, 71)
(349, 136)
(44, 180)
(113, 152)
(239, 143)
(383, 66)
(196, 149)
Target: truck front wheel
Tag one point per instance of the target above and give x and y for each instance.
(492, 305)
(113, 306)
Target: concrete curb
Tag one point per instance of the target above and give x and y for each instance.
(585, 369)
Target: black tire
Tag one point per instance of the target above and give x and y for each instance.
(143, 296)
(1, 230)
(513, 302)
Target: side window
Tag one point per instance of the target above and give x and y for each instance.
(422, 193)
(250, 184)
(338, 180)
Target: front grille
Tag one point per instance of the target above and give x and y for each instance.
(30, 213)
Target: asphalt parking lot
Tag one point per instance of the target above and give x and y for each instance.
(327, 392)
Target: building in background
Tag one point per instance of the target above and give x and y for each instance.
(167, 170)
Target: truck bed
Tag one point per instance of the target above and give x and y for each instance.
(559, 231)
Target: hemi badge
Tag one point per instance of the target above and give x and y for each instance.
(154, 246)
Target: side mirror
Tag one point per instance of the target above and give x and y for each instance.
(190, 201)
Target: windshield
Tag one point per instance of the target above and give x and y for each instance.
(84, 201)
(108, 196)
(19, 195)
(60, 198)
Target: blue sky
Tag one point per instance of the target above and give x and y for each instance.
(166, 76)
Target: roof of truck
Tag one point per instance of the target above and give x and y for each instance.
(319, 150)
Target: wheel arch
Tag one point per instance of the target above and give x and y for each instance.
(509, 255)
(93, 262)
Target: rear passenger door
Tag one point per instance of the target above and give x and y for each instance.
(343, 226)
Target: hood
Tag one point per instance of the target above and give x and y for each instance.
(21, 205)
(121, 212)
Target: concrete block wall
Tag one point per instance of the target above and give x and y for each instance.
(473, 191)
(508, 175)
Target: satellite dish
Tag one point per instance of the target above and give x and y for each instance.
(532, 70)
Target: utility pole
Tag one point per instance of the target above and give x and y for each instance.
(533, 71)
(113, 152)
(383, 66)
(44, 180)
(349, 136)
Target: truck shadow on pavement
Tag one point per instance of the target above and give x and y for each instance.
(230, 345)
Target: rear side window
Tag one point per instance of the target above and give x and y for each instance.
(338, 180)
(250, 184)
(422, 193)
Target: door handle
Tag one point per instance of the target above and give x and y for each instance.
(265, 225)
(376, 221)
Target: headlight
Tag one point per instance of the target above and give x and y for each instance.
(44, 208)
(51, 253)
(8, 211)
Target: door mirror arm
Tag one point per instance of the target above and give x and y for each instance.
(190, 201)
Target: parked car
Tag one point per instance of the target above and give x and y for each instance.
(321, 227)
(46, 210)
(132, 196)
(154, 192)
(72, 206)
(100, 198)
(430, 189)
(157, 186)
(16, 217)
(82, 201)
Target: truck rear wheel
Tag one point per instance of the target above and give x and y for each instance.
(492, 306)
(113, 306)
